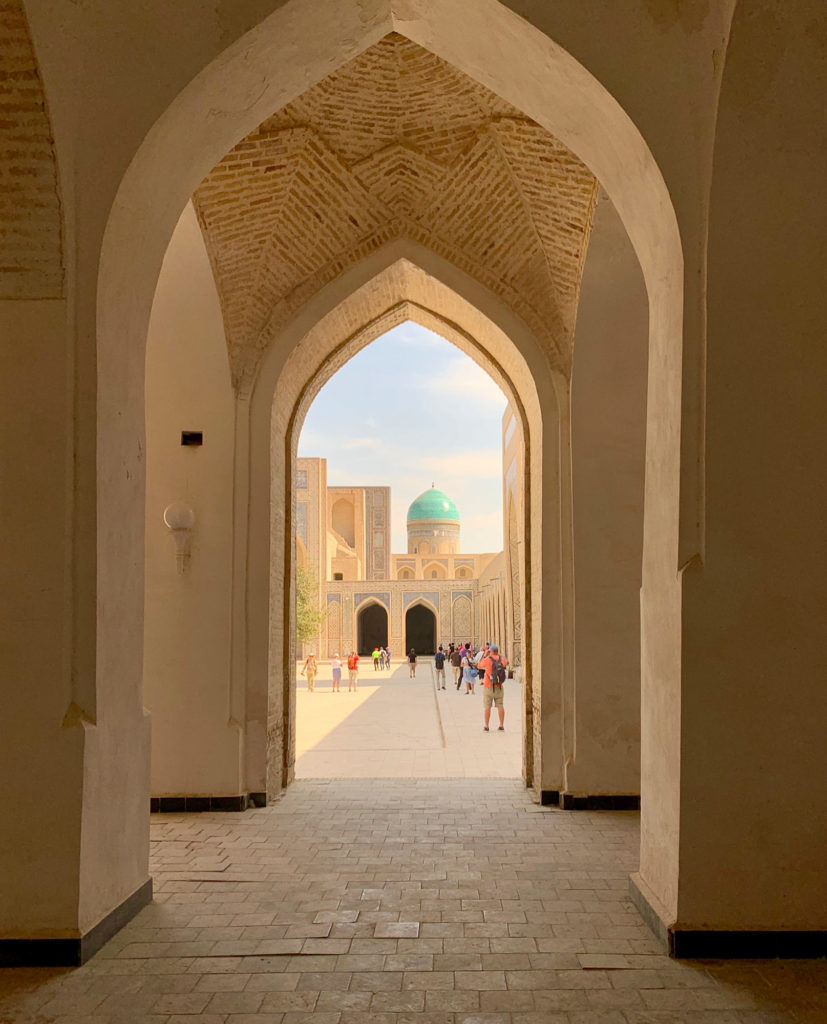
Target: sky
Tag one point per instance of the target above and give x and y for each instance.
(407, 411)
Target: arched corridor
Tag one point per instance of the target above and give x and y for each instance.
(617, 210)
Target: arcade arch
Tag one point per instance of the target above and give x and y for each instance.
(386, 289)
(529, 71)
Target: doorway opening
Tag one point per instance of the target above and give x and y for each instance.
(372, 628)
(420, 630)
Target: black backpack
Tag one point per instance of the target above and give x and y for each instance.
(497, 672)
(439, 659)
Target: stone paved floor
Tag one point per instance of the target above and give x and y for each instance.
(398, 727)
(402, 902)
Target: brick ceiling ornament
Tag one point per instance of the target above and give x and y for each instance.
(396, 143)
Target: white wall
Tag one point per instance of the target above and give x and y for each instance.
(196, 749)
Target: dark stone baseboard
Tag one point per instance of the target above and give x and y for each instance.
(600, 802)
(697, 944)
(550, 797)
(193, 804)
(76, 951)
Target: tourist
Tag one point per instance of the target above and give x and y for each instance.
(352, 671)
(375, 657)
(439, 662)
(412, 662)
(469, 672)
(456, 663)
(482, 653)
(387, 658)
(336, 667)
(494, 666)
(310, 669)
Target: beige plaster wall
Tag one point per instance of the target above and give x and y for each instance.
(41, 758)
(608, 454)
(196, 742)
(754, 785)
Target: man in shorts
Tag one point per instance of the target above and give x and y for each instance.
(492, 692)
(352, 671)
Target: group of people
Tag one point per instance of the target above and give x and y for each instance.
(486, 666)
(311, 669)
(381, 658)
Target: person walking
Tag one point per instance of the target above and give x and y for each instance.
(439, 663)
(336, 668)
(494, 666)
(375, 657)
(310, 670)
(388, 658)
(412, 662)
(469, 672)
(381, 659)
(456, 665)
(352, 671)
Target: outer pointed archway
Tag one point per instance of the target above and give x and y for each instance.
(239, 89)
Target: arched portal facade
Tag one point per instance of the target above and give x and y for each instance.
(420, 629)
(371, 627)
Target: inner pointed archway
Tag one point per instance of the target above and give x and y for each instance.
(420, 630)
(372, 628)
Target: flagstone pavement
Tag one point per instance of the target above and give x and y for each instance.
(425, 901)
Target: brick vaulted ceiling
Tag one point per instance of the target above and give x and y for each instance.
(396, 143)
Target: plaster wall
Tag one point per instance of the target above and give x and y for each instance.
(754, 786)
(42, 754)
(196, 743)
(608, 457)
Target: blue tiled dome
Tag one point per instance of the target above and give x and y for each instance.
(432, 504)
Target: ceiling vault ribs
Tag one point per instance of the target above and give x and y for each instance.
(396, 143)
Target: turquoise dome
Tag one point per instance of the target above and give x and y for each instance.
(432, 504)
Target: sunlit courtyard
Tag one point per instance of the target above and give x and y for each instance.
(397, 727)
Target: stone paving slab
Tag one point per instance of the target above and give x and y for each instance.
(416, 901)
(397, 727)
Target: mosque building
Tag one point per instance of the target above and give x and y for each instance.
(431, 594)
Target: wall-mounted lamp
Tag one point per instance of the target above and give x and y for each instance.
(180, 519)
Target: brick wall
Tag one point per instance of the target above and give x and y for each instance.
(31, 259)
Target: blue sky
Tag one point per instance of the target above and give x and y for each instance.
(409, 410)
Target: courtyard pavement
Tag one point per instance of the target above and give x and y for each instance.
(450, 901)
(397, 727)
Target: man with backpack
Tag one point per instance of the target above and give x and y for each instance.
(439, 663)
(352, 670)
(494, 666)
(456, 662)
